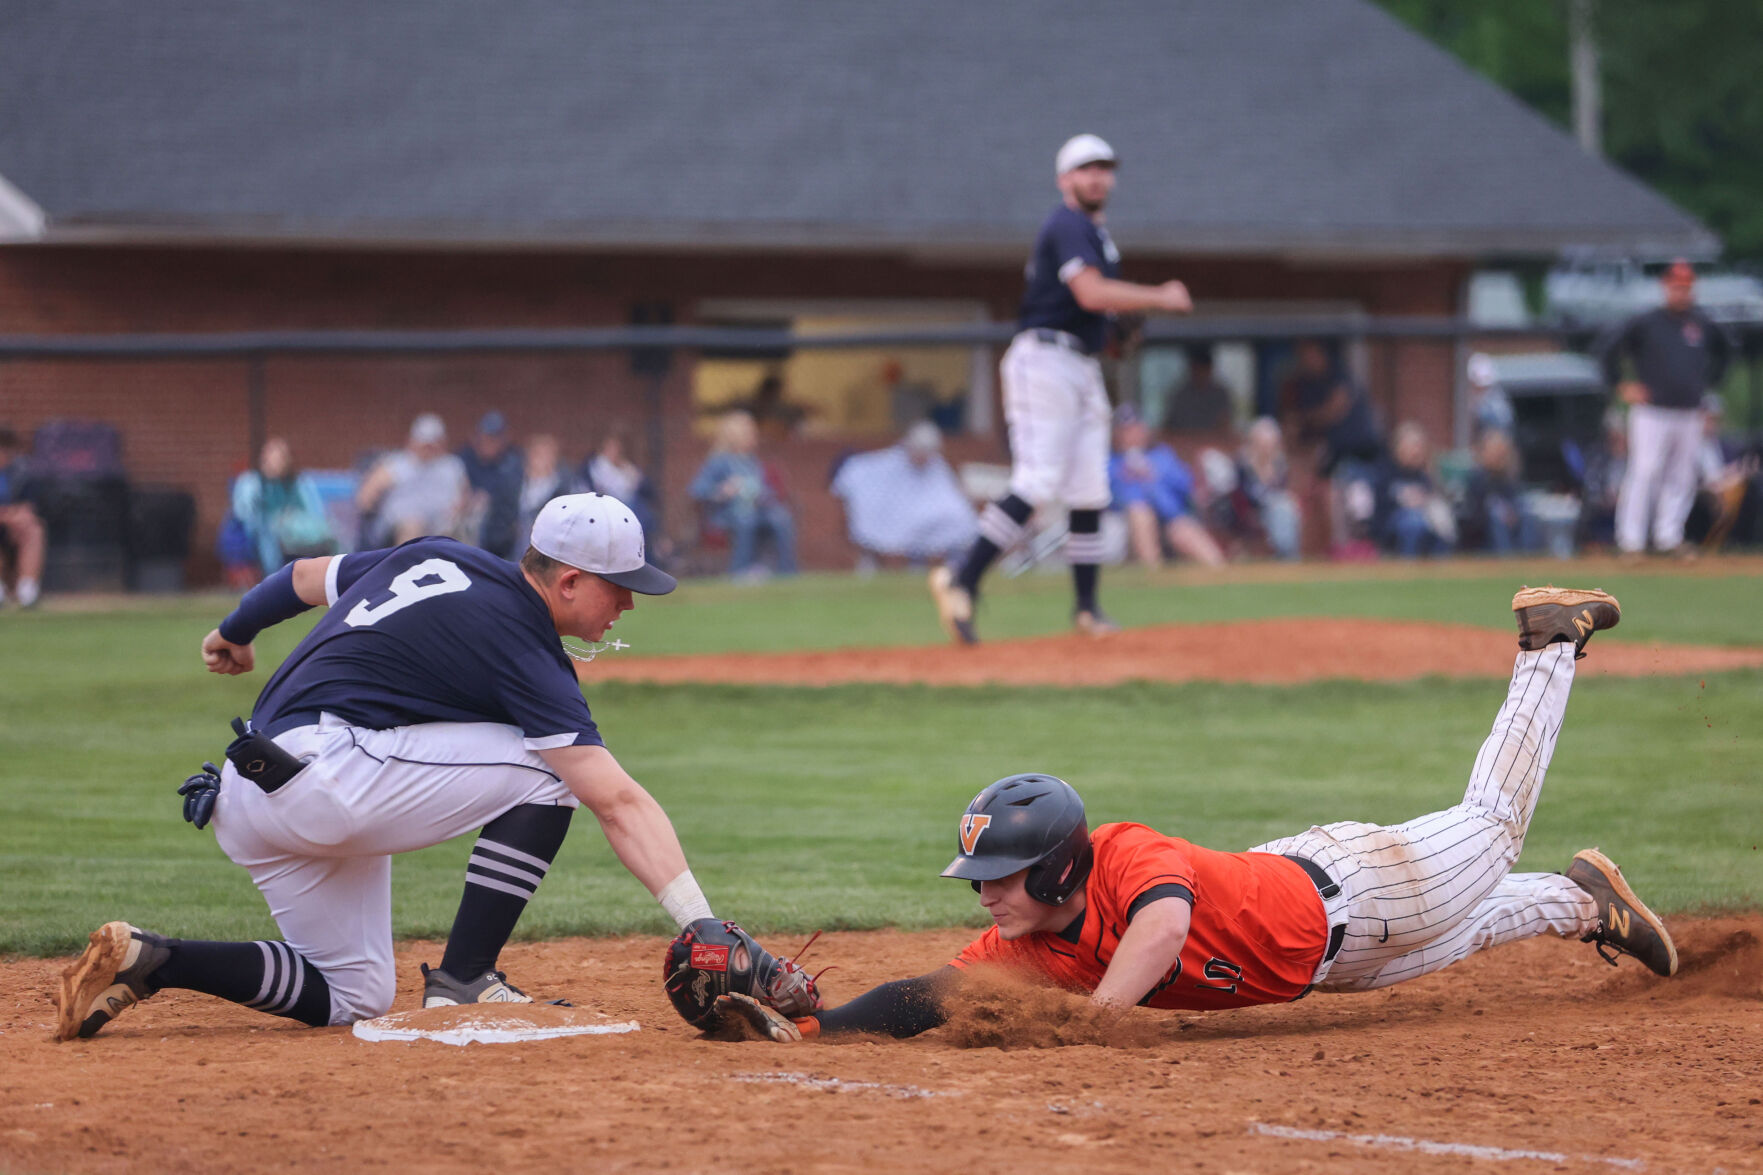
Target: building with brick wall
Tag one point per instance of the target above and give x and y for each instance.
(180, 169)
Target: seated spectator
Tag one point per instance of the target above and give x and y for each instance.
(21, 529)
(1262, 481)
(1413, 516)
(1324, 407)
(419, 490)
(280, 510)
(1493, 516)
(1729, 485)
(1155, 492)
(1489, 406)
(542, 478)
(904, 501)
(741, 497)
(493, 466)
(1202, 404)
(610, 471)
(776, 415)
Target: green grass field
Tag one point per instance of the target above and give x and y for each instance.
(803, 808)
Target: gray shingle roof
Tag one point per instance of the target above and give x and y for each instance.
(1244, 126)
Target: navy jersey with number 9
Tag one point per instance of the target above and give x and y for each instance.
(432, 631)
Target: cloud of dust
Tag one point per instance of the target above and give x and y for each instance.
(997, 1009)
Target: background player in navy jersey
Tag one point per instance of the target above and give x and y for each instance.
(433, 699)
(1054, 402)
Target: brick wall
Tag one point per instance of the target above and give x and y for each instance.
(186, 423)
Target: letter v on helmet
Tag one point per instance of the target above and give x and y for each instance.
(971, 827)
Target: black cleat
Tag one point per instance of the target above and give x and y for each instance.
(441, 990)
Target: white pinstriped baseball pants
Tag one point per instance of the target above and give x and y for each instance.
(1056, 407)
(1417, 897)
(320, 847)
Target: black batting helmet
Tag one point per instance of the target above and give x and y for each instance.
(1033, 822)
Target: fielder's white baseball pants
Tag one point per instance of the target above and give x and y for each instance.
(1419, 896)
(319, 847)
(1660, 482)
(1056, 407)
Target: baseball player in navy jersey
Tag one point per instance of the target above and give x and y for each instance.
(1054, 401)
(1131, 916)
(433, 699)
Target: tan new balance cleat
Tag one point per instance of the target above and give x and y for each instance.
(1550, 614)
(109, 977)
(1625, 925)
(954, 606)
(1093, 624)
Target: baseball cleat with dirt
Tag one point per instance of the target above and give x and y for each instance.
(1550, 614)
(109, 977)
(1625, 925)
(954, 606)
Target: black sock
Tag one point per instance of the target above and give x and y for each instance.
(1084, 550)
(510, 859)
(979, 557)
(269, 976)
(1000, 526)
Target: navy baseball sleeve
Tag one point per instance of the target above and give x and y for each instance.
(544, 699)
(1074, 247)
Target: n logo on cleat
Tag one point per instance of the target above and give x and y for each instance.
(1620, 920)
(1583, 623)
(971, 827)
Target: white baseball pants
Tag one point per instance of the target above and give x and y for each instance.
(1660, 483)
(319, 847)
(1056, 407)
(1417, 897)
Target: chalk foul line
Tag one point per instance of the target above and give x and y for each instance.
(840, 1085)
(1427, 1146)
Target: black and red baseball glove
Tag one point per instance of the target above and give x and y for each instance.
(712, 958)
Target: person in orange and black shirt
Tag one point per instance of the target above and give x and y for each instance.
(1130, 916)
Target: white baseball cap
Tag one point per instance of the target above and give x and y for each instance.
(599, 534)
(427, 429)
(1080, 150)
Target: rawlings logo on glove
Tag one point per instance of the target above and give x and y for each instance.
(712, 958)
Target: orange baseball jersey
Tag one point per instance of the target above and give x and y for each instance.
(1258, 932)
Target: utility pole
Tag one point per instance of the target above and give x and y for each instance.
(1588, 99)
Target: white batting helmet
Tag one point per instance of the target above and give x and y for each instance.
(1080, 150)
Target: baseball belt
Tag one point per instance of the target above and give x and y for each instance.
(1328, 887)
(1059, 338)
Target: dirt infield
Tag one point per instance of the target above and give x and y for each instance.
(1274, 652)
(1536, 1047)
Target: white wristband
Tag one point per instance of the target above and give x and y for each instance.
(684, 902)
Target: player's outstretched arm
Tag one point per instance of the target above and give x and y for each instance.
(903, 1008)
(1107, 295)
(282, 595)
(635, 826)
(1146, 954)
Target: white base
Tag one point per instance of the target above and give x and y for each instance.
(489, 1032)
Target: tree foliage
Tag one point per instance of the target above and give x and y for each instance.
(1682, 83)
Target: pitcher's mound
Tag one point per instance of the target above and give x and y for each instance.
(490, 1024)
